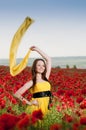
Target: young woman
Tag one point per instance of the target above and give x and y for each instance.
(39, 85)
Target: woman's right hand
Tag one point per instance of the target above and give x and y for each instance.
(33, 48)
(35, 102)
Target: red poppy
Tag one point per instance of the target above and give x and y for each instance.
(8, 121)
(55, 127)
(79, 99)
(24, 122)
(67, 118)
(37, 114)
(83, 120)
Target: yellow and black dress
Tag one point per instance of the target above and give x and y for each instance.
(41, 93)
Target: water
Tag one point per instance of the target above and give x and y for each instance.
(63, 62)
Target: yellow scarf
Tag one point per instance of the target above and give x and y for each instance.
(16, 69)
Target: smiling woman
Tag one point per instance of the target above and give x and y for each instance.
(16, 69)
(39, 85)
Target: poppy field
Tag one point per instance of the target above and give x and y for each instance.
(67, 109)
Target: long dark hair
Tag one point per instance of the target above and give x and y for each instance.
(33, 70)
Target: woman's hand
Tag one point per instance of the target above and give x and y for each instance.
(35, 102)
(33, 48)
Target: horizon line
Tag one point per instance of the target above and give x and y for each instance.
(50, 56)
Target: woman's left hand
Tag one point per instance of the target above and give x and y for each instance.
(35, 102)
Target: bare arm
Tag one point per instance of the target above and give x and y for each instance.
(24, 88)
(47, 59)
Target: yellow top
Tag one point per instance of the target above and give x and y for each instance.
(42, 101)
(41, 86)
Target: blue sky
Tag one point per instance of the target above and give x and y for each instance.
(59, 28)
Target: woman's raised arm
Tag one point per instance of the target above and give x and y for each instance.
(46, 57)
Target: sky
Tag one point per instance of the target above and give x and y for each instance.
(59, 27)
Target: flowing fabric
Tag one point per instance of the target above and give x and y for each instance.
(16, 69)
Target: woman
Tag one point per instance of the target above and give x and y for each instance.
(39, 85)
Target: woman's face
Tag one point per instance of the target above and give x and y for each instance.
(40, 66)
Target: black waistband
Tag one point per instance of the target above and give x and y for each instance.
(42, 94)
